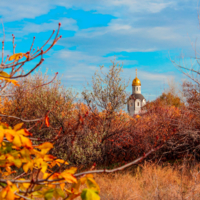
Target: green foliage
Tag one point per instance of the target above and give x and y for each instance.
(89, 194)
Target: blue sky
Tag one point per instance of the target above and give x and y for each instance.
(140, 34)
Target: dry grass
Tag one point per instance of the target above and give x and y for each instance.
(151, 182)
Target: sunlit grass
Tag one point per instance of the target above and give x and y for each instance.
(151, 182)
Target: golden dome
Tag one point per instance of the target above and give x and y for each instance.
(136, 81)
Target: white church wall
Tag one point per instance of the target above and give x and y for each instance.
(138, 105)
(143, 102)
(136, 89)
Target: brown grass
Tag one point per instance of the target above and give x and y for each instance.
(151, 182)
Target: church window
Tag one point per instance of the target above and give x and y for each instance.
(138, 104)
(137, 88)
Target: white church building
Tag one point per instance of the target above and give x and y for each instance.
(136, 100)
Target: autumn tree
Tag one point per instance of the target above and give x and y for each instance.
(37, 96)
(107, 94)
(108, 89)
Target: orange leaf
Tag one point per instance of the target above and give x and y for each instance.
(9, 137)
(1, 136)
(81, 119)
(18, 126)
(17, 56)
(47, 121)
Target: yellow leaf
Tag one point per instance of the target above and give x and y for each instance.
(72, 170)
(26, 142)
(41, 164)
(45, 145)
(45, 175)
(89, 194)
(27, 166)
(26, 185)
(9, 183)
(62, 185)
(17, 56)
(61, 161)
(69, 177)
(17, 141)
(44, 167)
(6, 77)
(4, 192)
(48, 158)
(83, 180)
(18, 126)
(92, 184)
(10, 195)
(25, 153)
(4, 74)
(89, 176)
(17, 162)
(10, 80)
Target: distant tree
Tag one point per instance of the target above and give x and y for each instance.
(107, 89)
(170, 99)
(166, 99)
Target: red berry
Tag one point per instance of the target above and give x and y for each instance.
(42, 59)
(156, 137)
(59, 24)
(60, 36)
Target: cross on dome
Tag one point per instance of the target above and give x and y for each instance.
(136, 81)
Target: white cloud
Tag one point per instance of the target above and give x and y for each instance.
(12, 10)
(126, 37)
(152, 6)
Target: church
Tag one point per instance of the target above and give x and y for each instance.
(136, 100)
